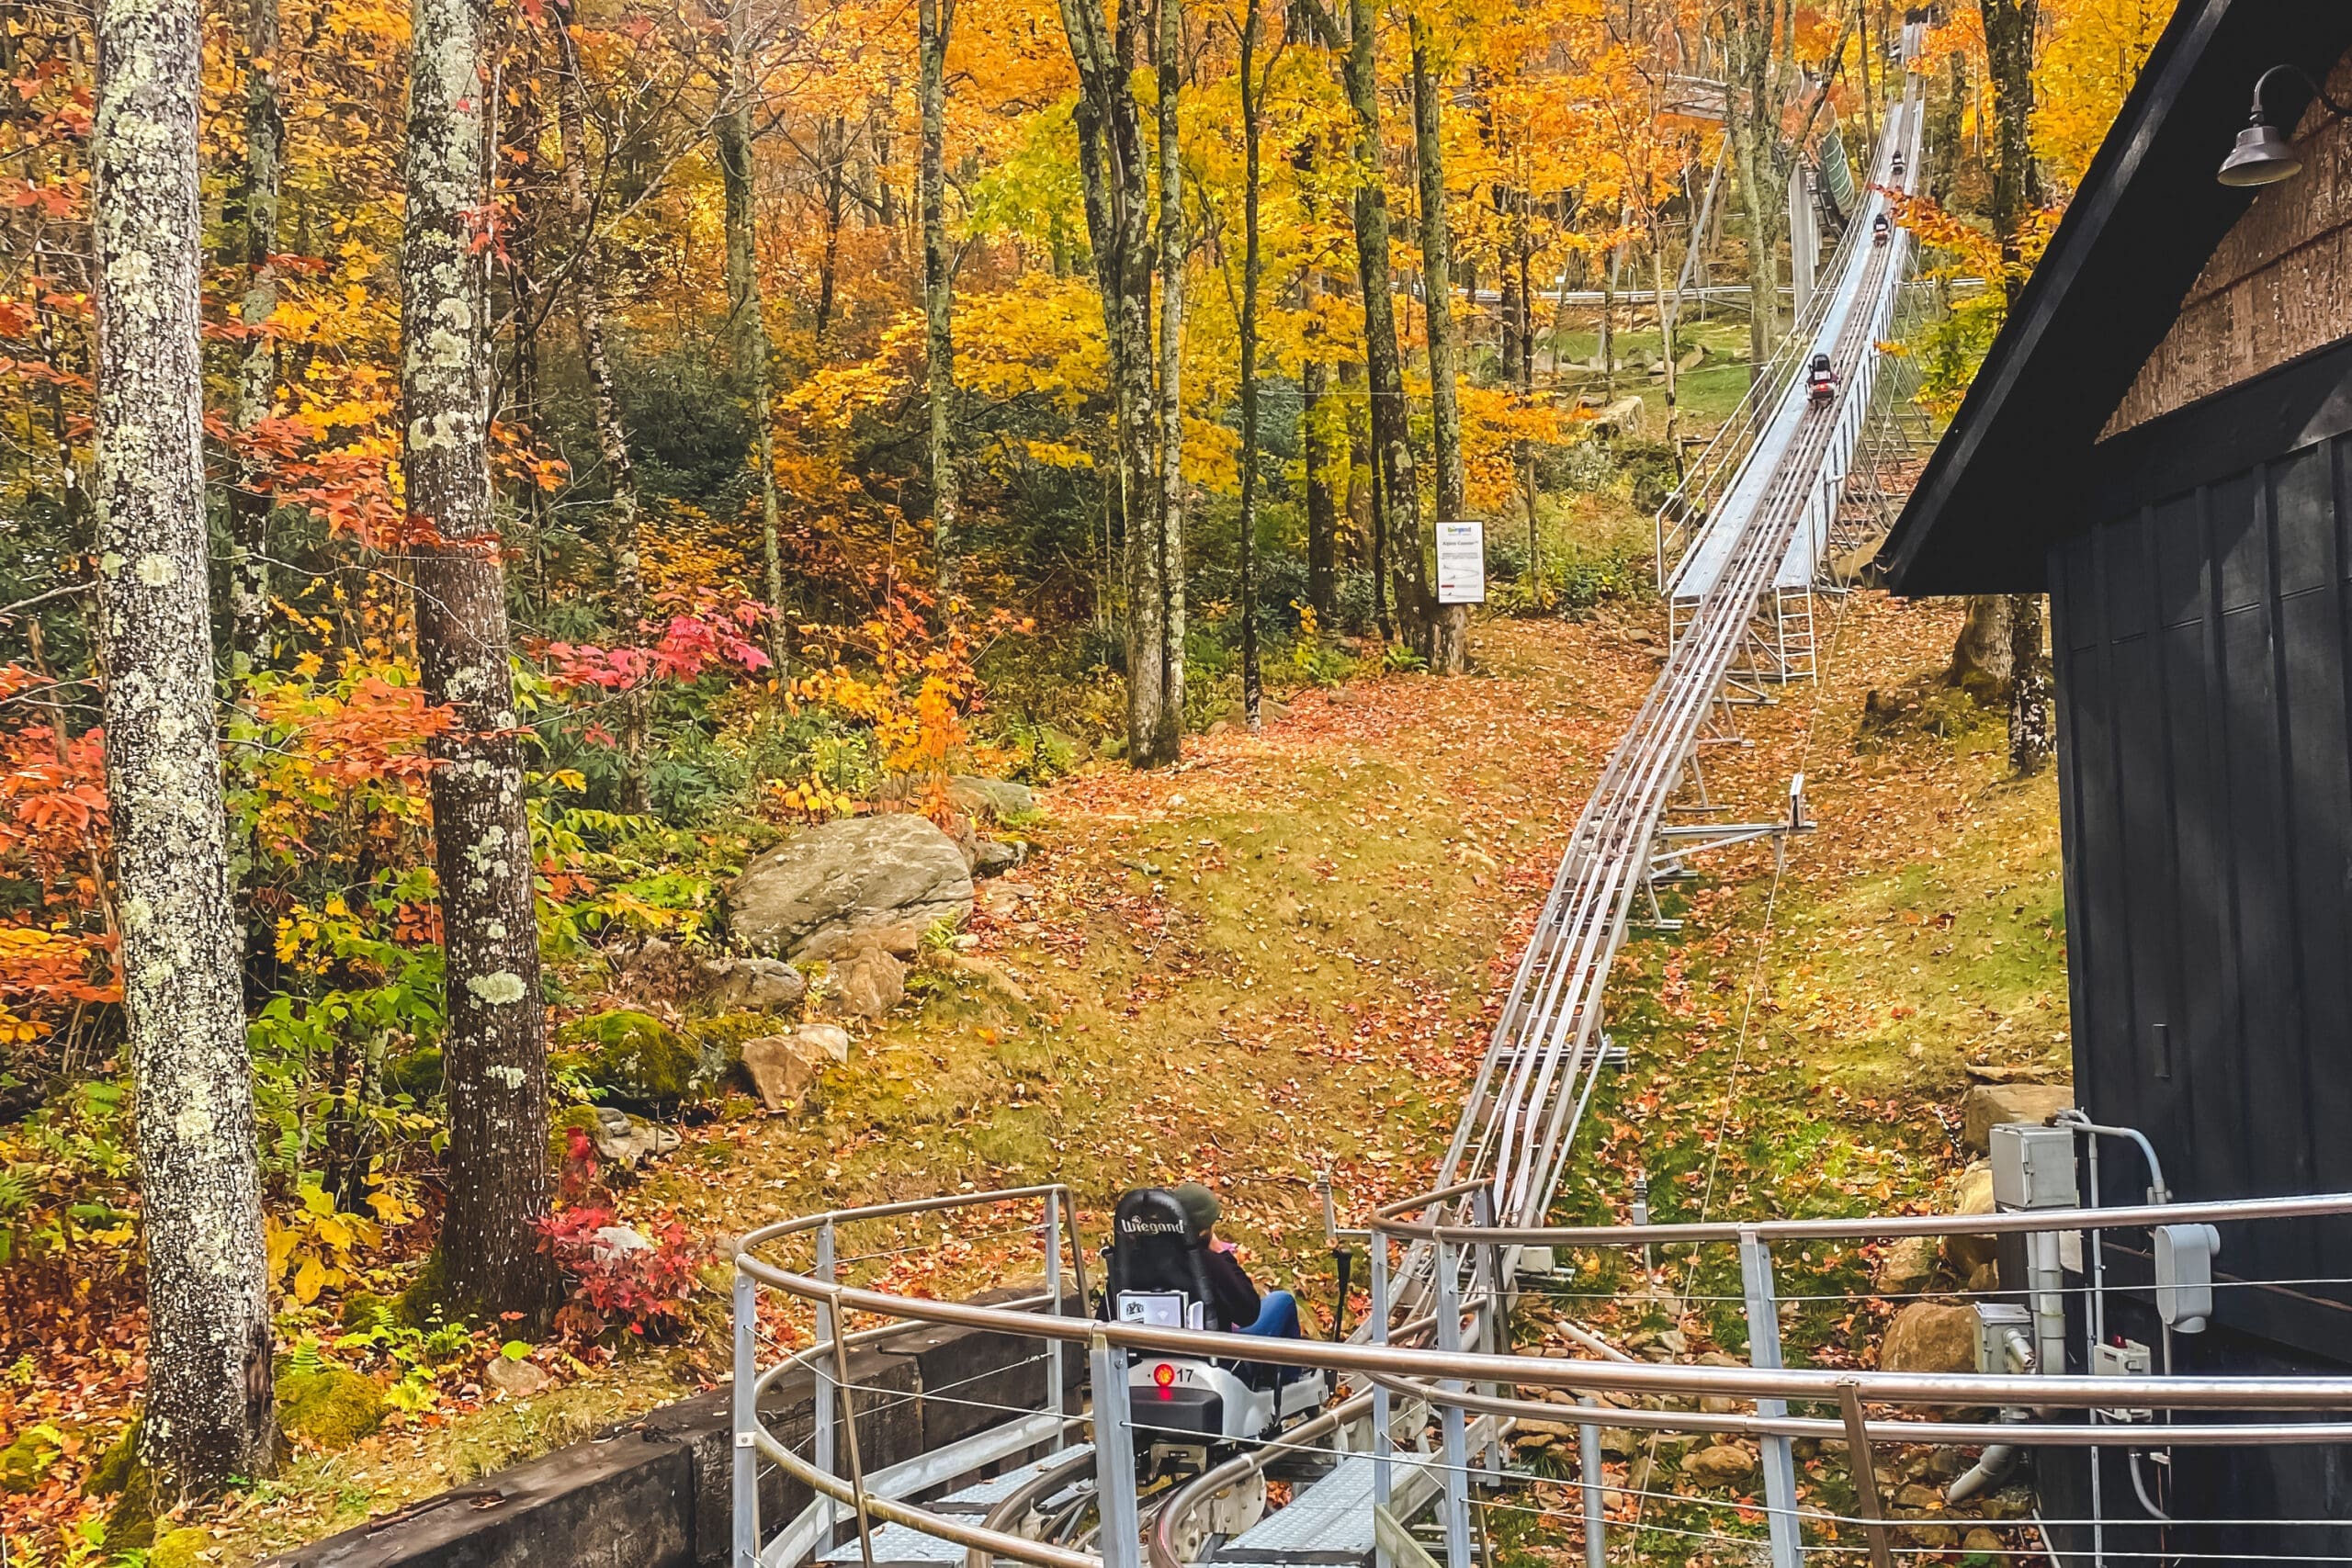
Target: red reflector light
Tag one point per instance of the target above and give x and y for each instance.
(1163, 1374)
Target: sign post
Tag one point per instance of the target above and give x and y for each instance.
(1462, 563)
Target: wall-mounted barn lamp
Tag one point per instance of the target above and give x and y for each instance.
(2264, 156)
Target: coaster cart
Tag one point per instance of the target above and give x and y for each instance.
(1820, 381)
(1190, 1412)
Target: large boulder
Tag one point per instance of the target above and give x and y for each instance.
(1989, 1105)
(805, 897)
(1928, 1337)
(329, 1409)
(1907, 1265)
(999, 798)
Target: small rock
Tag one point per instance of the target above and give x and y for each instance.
(993, 857)
(626, 1140)
(1985, 1277)
(1717, 1359)
(1973, 1195)
(1927, 1499)
(1620, 1442)
(756, 985)
(1675, 1340)
(1719, 1464)
(614, 1242)
(516, 1379)
(1928, 1338)
(867, 982)
(1990, 1104)
(999, 798)
(1718, 1404)
(1556, 1429)
(1906, 1265)
(1981, 1541)
(830, 1038)
(783, 1068)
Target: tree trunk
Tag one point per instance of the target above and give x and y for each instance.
(248, 502)
(1753, 106)
(833, 155)
(495, 1047)
(611, 436)
(2009, 59)
(1980, 655)
(748, 330)
(2031, 742)
(1116, 183)
(1397, 529)
(1169, 59)
(2009, 54)
(934, 19)
(1316, 416)
(1252, 104)
(208, 1412)
(1449, 623)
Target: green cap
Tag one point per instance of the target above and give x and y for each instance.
(1200, 1206)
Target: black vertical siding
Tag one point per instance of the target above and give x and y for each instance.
(2205, 759)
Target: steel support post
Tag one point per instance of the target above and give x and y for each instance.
(747, 1416)
(1115, 1457)
(821, 1378)
(1494, 1325)
(1383, 1440)
(1596, 1523)
(1764, 1353)
(1056, 1395)
(1453, 1419)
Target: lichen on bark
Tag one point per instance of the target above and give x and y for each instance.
(209, 1414)
(494, 1052)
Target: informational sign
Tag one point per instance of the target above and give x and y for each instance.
(1462, 563)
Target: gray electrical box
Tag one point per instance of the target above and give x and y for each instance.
(2185, 1275)
(1996, 1323)
(2033, 1166)
(2123, 1359)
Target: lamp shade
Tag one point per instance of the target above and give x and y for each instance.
(2262, 157)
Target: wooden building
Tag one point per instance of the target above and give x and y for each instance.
(2161, 439)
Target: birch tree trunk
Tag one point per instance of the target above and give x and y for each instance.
(1449, 624)
(208, 1412)
(248, 503)
(495, 1048)
(748, 333)
(935, 20)
(612, 435)
(1116, 183)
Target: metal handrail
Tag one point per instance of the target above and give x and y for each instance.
(1628, 1377)
(1999, 1223)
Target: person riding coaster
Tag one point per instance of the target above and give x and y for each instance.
(1167, 1268)
(1879, 230)
(1820, 380)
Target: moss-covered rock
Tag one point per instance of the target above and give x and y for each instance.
(416, 1074)
(330, 1409)
(26, 1461)
(182, 1547)
(638, 1061)
(364, 1311)
(115, 1467)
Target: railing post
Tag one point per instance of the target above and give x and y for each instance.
(1494, 1324)
(1764, 1353)
(1115, 1457)
(1596, 1523)
(1381, 1436)
(827, 1329)
(1452, 1419)
(746, 1421)
(1056, 1395)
